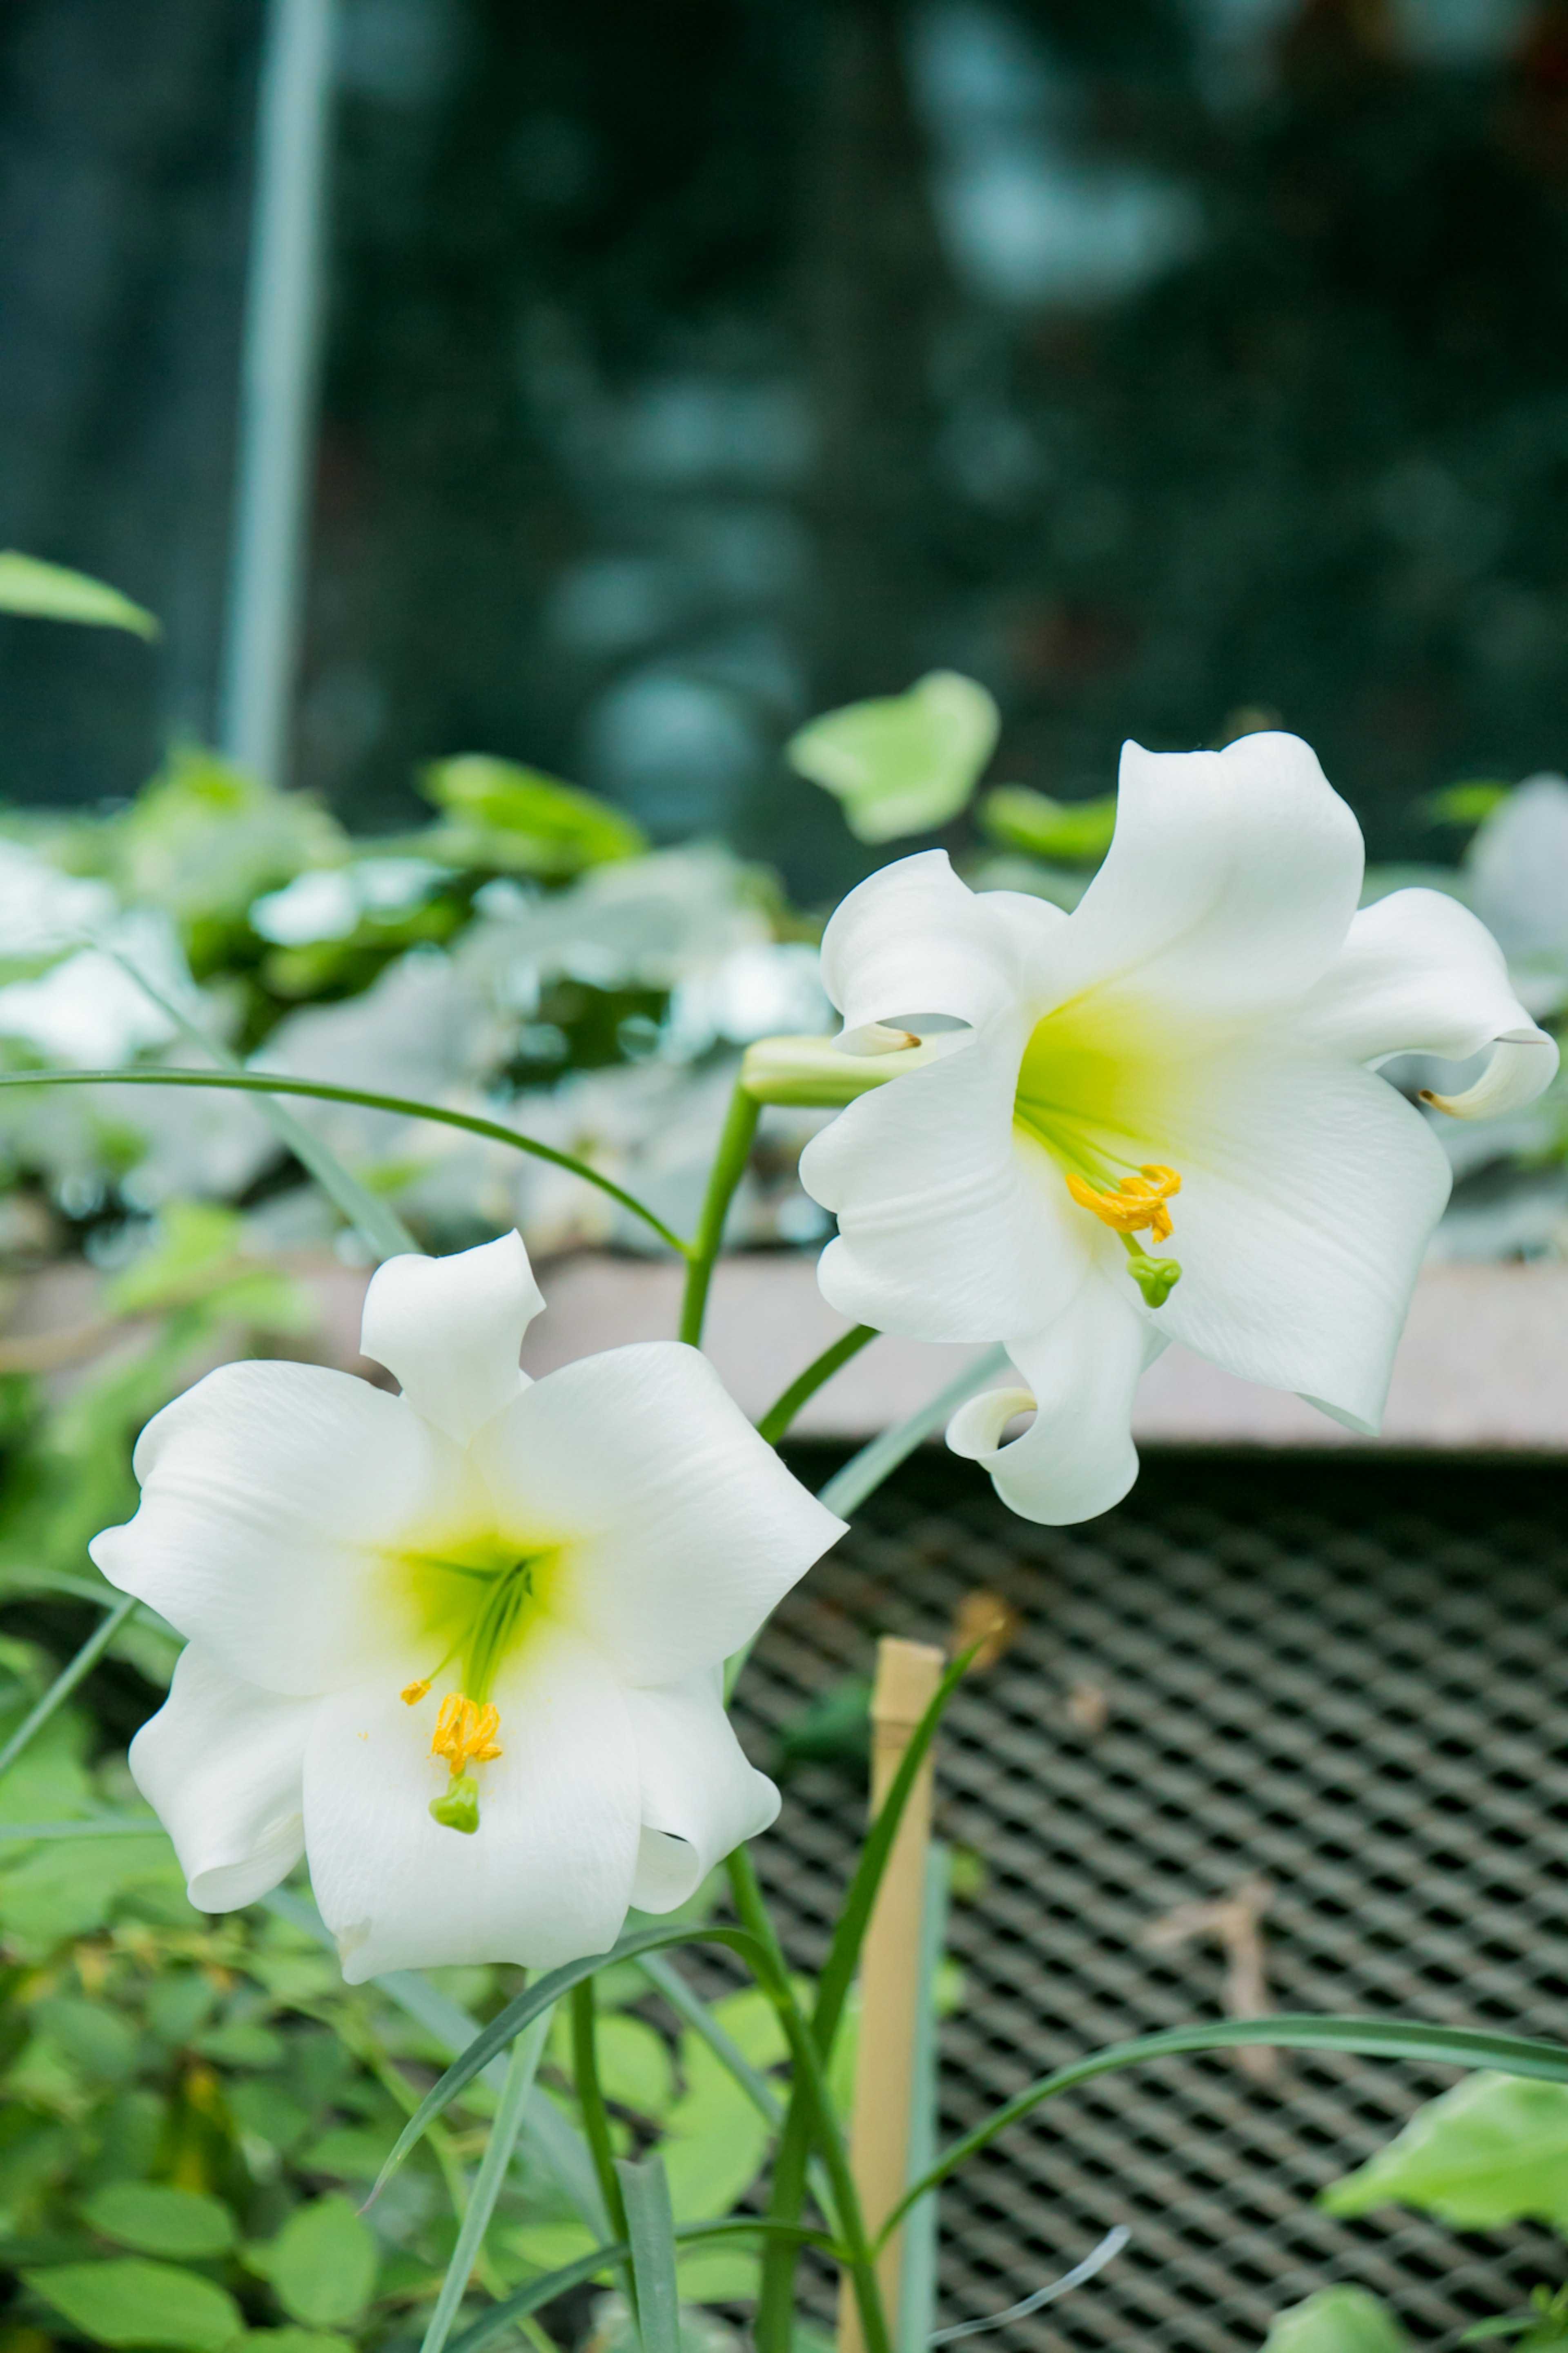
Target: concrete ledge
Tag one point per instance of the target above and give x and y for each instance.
(1482, 1369)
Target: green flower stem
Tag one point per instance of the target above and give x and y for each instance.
(785, 1407)
(262, 1082)
(729, 1167)
(596, 2119)
(66, 1682)
(487, 2187)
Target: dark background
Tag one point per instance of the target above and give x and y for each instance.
(694, 366)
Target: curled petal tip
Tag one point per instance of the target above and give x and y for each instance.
(1523, 1064)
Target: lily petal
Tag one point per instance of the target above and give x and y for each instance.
(679, 1528)
(1418, 974)
(1078, 1458)
(1523, 1064)
(1229, 887)
(222, 1763)
(949, 1226)
(913, 939)
(449, 1329)
(271, 1495)
(547, 1876)
(700, 1797)
(1310, 1190)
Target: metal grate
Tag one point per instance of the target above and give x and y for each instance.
(1349, 1680)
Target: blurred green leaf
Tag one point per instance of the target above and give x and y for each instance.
(833, 1728)
(243, 2042)
(349, 2152)
(634, 2066)
(291, 2340)
(51, 593)
(1069, 833)
(518, 821)
(204, 840)
(156, 2220)
(1337, 2320)
(1491, 2151)
(135, 2302)
(73, 1887)
(904, 763)
(93, 2036)
(273, 2114)
(323, 2263)
(1467, 804)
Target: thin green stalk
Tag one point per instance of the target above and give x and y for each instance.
(864, 1472)
(729, 1167)
(263, 1082)
(66, 1682)
(377, 1223)
(487, 2186)
(776, 2304)
(595, 2116)
(810, 2116)
(785, 1406)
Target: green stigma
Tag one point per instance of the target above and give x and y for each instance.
(1156, 1277)
(458, 1807)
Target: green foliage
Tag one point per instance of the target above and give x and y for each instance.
(1337, 2320)
(50, 592)
(1546, 2323)
(904, 763)
(133, 2302)
(1463, 805)
(1068, 833)
(511, 819)
(155, 2218)
(323, 2263)
(1493, 2150)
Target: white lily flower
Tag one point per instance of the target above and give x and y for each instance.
(1184, 1058)
(463, 1647)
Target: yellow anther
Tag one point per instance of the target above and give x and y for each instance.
(1138, 1201)
(412, 1693)
(466, 1732)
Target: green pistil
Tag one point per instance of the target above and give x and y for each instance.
(1156, 1277)
(458, 1807)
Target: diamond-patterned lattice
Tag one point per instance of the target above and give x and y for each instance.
(1350, 1679)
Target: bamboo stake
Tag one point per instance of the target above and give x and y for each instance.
(907, 1676)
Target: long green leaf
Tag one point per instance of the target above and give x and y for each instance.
(521, 2012)
(560, 2148)
(855, 1917)
(503, 2317)
(1369, 2038)
(650, 2229)
(50, 592)
(864, 1472)
(263, 1082)
(487, 2187)
(66, 1682)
